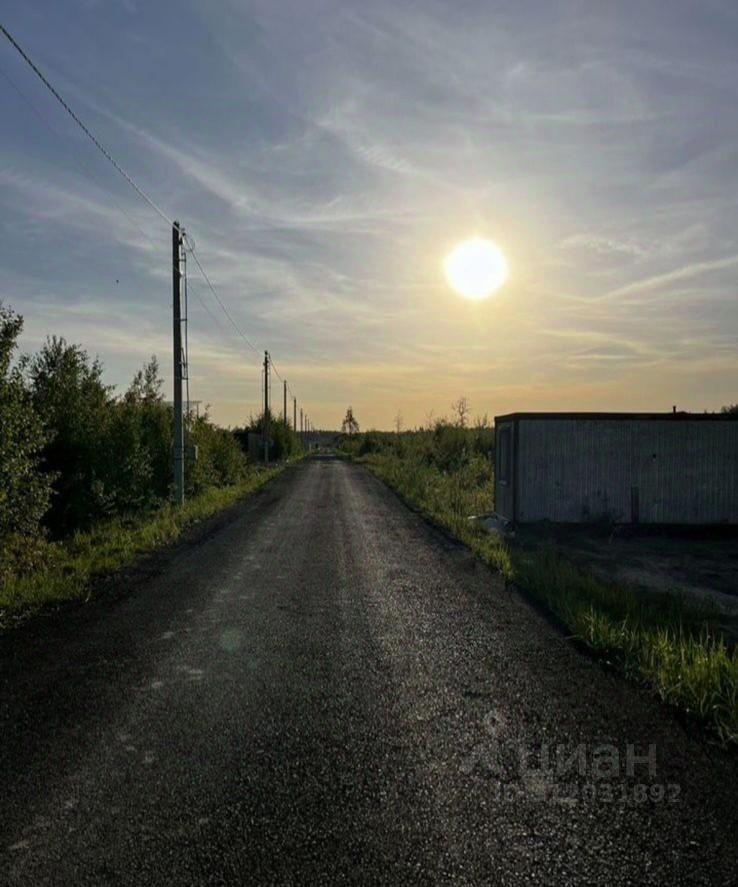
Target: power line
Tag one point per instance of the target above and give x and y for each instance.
(276, 371)
(108, 156)
(204, 304)
(84, 169)
(227, 313)
(103, 150)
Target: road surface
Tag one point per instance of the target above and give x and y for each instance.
(319, 688)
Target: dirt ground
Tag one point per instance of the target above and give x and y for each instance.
(701, 566)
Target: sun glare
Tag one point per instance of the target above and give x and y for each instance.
(475, 268)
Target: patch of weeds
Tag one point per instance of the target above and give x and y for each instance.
(62, 571)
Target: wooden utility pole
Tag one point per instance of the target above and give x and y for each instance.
(266, 406)
(284, 409)
(294, 414)
(178, 437)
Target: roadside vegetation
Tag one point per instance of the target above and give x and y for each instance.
(64, 570)
(85, 475)
(674, 647)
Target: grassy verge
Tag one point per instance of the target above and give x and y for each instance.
(64, 570)
(661, 641)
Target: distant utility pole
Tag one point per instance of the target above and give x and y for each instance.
(266, 406)
(294, 414)
(284, 409)
(178, 448)
(302, 427)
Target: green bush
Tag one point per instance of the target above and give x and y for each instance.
(73, 454)
(75, 406)
(65, 569)
(24, 489)
(447, 447)
(220, 461)
(284, 442)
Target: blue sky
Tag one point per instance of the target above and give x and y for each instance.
(325, 156)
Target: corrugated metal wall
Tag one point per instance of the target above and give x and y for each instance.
(627, 470)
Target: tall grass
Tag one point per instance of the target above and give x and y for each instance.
(63, 571)
(658, 640)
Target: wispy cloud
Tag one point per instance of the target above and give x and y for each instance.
(48, 203)
(603, 245)
(323, 157)
(675, 275)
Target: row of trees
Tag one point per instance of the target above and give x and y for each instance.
(71, 452)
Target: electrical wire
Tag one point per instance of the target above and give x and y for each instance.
(109, 157)
(227, 313)
(103, 150)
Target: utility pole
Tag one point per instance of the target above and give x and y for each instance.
(294, 414)
(266, 406)
(284, 410)
(178, 448)
(302, 428)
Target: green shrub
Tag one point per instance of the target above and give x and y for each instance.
(63, 570)
(24, 489)
(284, 442)
(446, 447)
(220, 460)
(75, 406)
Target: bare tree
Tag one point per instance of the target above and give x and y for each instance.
(429, 420)
(398, 422)
(461, 410)
(350, 425)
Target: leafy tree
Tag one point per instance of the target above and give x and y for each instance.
(74, 404)
(731, 408)
(24, 489)
(147, 384)
(349, 425)
(140, 446)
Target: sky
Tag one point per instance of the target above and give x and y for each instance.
(325, 156)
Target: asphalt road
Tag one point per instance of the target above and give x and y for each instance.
(319, 688)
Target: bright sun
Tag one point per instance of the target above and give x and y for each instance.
(476, 268)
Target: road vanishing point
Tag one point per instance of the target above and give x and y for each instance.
(318, 687)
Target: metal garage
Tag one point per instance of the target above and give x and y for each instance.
(633, 468)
